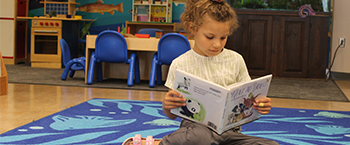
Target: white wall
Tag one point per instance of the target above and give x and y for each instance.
(341, 29)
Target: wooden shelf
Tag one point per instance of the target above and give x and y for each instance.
(71, 5)
(61, 3)
(3, 78)
(53, 18)
(152, 11)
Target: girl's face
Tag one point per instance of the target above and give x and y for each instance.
(211, 37)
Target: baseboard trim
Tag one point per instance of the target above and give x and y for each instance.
(340, 76)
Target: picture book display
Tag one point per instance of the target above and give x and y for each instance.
(220, 108)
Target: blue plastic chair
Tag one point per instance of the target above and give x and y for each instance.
(70, 64)
(170, 46)
(150, 31)
(111, 46)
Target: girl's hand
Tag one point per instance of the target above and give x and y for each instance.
(171, 100)
(263, 105)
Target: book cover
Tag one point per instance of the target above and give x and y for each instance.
(220, 108)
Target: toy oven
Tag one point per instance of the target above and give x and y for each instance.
(45, 46)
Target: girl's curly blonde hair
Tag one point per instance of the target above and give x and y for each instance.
(193, 17)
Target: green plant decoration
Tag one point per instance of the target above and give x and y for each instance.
(52, 13)
(123, 30)
(278, 4)
(237, 4)
(85, 29)
(293, 5)
(253, 4)
(83, 32)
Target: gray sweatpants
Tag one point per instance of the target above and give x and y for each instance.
(191, 133)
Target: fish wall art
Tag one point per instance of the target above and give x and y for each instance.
(100, 7)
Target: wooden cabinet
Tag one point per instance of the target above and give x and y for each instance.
(13, 31)
(293, 47)
(253, 40)
(282, 43)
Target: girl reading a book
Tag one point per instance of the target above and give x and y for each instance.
(210, 22)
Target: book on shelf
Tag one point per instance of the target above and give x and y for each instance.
(220, 108)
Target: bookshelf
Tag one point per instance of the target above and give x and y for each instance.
(152, 11)
(3, 78)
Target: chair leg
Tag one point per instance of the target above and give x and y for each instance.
(137, 70)
(66, 70)
(91, 69)
(99, 72)
(159, 74)
(71, 73)
(64, 74)
(131, 70)
(152, 76)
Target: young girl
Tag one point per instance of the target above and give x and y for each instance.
(210, 22)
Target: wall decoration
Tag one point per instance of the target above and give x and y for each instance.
(99, 7)
(306, 10)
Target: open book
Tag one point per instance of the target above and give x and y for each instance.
(220, 108)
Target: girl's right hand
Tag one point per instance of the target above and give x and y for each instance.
(171, 100)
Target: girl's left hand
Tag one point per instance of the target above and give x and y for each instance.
(263, 105)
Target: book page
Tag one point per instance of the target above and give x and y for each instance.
(239, 109)
(205, 100)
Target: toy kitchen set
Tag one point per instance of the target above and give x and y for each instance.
(45, 32)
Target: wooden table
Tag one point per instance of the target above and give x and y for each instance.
(166, 27)
(134, 44)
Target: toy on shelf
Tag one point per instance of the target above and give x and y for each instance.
(159, 34)
(142, 35)
(157, 2)
(142, 18)
(137, 1)
(158, 14)
(123, 30)
(188, 36)
(144, 1)
(141, 13)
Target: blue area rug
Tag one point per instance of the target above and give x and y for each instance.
(109, 121)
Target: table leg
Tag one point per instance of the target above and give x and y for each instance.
(87, 61)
